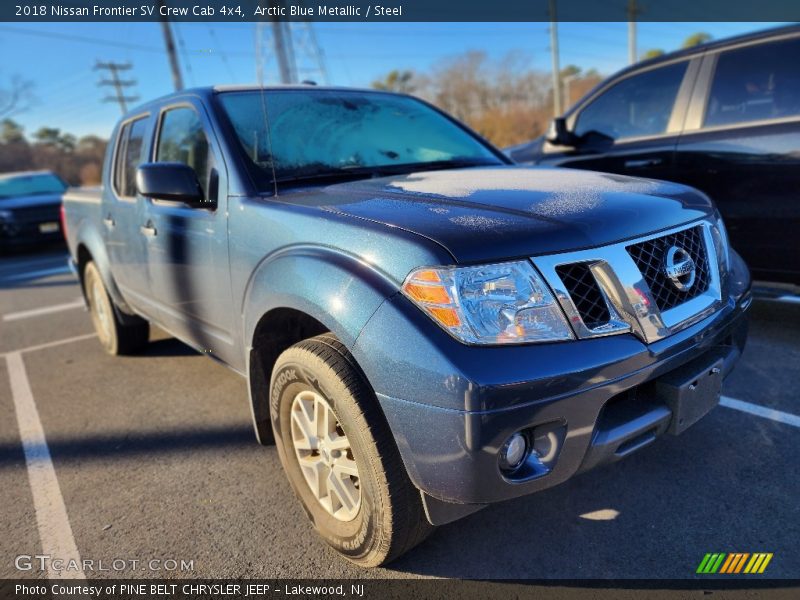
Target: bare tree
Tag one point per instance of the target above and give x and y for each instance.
(505, 100)
(16, 97)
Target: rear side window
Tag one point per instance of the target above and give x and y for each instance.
(130, 154)
(183, 140)
(755, 83)
(639, 105)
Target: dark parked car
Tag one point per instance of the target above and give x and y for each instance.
(425, 328)
(723, 117)
(30, 206)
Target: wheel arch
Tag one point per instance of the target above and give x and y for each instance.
(298, 293)
(91, 247)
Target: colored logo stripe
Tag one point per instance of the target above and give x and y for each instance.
(734, 563)
(710, 563)
(731, 563)
(758, 563)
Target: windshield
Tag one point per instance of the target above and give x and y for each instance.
(319, 133)
(29, 185)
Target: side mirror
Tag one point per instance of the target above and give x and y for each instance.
(171, 181)
(559, 135)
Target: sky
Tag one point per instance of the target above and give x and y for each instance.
(59, 58)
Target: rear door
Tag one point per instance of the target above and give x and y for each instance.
(742, 147)
(188, 247)
(632, 125)
(122, 213)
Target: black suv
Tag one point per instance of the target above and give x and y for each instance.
(723, 117)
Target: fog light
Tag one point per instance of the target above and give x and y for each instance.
(513, 452)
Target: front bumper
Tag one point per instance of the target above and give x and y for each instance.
(451, 407)
(27, 232)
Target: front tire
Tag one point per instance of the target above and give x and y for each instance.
(117, 337)
(340, 456)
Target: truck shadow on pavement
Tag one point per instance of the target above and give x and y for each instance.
(167, 347)
(134, 444)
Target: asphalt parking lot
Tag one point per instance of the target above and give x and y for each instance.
(154, 458)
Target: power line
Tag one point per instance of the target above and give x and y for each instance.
(222, 54)
(185, 54)
(80, 38)
(118, 84)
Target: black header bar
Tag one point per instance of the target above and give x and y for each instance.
(399, 10)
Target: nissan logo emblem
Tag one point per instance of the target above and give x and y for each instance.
(680, 268)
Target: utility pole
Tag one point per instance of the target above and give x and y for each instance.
(177, 79)
(567, 81)
(554, 52)
(632, 12)
(118, 84)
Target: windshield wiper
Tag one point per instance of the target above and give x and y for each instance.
(328, 175)
(352, 173)
(452, 163)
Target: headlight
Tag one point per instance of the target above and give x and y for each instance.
(722, 244)
(6, 215)
(505, 303)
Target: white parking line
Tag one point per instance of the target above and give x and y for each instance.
(52, 344)
(760, 411)
(788, 299)
(46, 310)
(55, 532)
(35, 274)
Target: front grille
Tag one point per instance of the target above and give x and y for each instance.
(585, 293)
(37, 214)
(650, 255)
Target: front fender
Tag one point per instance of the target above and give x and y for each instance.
(339, 290)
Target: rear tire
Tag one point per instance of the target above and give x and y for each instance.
(352, 482)
(115, 336)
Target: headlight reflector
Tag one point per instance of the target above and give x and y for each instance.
(506, 303)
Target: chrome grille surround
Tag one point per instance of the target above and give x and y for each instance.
(631, 304)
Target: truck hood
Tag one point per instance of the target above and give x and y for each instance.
(496, 213)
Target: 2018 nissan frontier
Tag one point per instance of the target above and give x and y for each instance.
(425, 328)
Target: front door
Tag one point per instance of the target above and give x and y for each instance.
(188, 247)
(631, 127)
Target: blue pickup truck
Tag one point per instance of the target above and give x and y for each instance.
(425, 328)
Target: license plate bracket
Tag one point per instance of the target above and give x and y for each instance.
(690, 392)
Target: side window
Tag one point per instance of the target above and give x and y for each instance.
(183, 140)
(130, 154)
(755, 83)
(639, 105)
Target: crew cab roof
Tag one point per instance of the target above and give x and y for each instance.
(206, 92)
